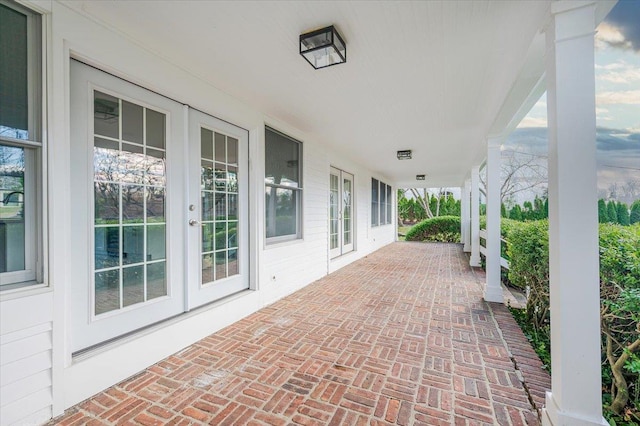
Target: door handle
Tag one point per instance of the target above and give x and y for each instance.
(194, 222)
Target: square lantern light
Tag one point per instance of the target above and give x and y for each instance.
(323, 48)
(404, 155)
(420, 177)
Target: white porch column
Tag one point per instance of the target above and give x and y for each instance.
(465, 211)
(475, 216)
(493, 289)
(575, 397)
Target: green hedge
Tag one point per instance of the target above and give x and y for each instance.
(437, 229)
(528, 250)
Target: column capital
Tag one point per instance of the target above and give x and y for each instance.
(495, 141)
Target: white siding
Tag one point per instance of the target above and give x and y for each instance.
(25, 359)
(31, 323)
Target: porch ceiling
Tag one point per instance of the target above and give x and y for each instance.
(435, 77)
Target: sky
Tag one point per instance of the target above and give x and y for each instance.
(617, 71)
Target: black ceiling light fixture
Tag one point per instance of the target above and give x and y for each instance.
(323, 48)
(404, 155)
(420, 177)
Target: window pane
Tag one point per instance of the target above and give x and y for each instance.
(132, 204)
(132, 164)
(107, 291)
(389, 203)
(12, 209)
(383, 203)
(156, 133)
(207, 268)
(221, 265)
(106, 115)
(156, 241)
(106, 154)
(107, 203)
(132, 244)
(282, 157)
(206, 144)
(232, 265)
(206, 175)
(155, 204)
(132, 285)
(132, 122)
(107, 247)
(14, 93)
(155, 167)
(220, 147)
(232, 150)
(374, 202)
(156, 280)
(208, 234)
(281, 211)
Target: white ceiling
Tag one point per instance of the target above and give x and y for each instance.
(436, 77)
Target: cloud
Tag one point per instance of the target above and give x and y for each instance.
(619, 73)
(625, 97)
(533, 122)
(620, 28)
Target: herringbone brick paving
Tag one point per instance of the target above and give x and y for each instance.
(399, 337)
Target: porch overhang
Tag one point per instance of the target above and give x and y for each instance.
(434, 77)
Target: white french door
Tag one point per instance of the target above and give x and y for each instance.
(340, 212)
(218, 236)
(145, 249)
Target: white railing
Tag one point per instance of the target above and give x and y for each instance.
(483, 250)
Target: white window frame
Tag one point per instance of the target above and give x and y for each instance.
(33, 153)
(299, 190)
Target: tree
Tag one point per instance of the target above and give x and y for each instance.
(422, 199)
(635, 212)
(623, 214)
(516, 213)
(519, 172)
(603, 216)
(612, 212)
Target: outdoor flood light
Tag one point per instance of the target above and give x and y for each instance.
(404, 155)
(323, 48)
(420, 177)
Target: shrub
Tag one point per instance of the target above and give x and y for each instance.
(437, 229)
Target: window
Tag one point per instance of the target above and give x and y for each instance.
(20, 146)
(381, 200)
(283, 187)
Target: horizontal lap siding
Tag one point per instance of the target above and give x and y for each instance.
(25, 360)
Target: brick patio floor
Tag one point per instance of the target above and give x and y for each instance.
(399, 337)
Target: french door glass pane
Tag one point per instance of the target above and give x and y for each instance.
(129, 203)
(346, 211)
(219, 203)
(333, 209)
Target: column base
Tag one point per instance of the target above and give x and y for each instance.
(553, 416)
(492, 294)
(474, 261)
(466, 248)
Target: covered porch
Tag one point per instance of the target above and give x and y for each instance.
(402, 336)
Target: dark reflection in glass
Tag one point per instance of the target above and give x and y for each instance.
(232, 259)
(132, 285)
(106, 203)
(221, 235)
(232, 151)
(156, 129)
(155, 167)
(221, 177)
(107, 291)
(221, 206)
(220, 145)
(156, 280)
(207, 237)
(232, 179)
(207, 269)
(233, 206)
(156, 241)
(132, 204)
(207, 206)
(107, 247)
(281, 160)
(206, 144)
(155, 204)
(232, 239)
(131, 122)
(221, 265)
(106, 156)
(132, 164)
(206, 175)
(106, 113)
(132, 244)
